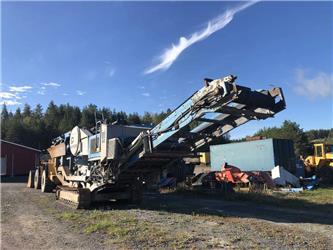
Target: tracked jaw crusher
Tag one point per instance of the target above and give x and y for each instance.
(113, 161)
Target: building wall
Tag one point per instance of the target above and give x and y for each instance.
(18, 160)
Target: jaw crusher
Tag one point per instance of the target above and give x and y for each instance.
(112, 161)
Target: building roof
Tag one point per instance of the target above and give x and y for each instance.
(20, 145)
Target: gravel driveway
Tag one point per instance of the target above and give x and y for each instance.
(32, 220)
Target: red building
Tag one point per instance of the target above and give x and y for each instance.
(17, 159)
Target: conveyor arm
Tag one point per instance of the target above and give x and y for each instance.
(220, 106)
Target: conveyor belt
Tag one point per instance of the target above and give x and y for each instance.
(208, 114)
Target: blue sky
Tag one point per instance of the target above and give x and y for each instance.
(108, 53)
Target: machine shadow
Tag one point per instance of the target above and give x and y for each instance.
(294, 211)
(14, 179)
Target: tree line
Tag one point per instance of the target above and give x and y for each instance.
(302, 139)
(35, 128)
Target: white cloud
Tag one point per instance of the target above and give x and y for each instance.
(42, 89)
(8, 95)
(15, 93)
(11, 98)
(142, 87)
(146, 94)
(19, 88)
(10, 103)
(111, 72)
(51, 84)
(64, 94)
(79, 92)
(167, 58)
(319, 85)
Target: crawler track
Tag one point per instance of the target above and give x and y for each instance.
(74, 198)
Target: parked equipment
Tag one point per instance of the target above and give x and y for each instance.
(323, 156)
(321, 162)
(112, 161)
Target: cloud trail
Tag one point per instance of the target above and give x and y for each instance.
(167, 58)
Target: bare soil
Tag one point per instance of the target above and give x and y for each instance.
(34, 220)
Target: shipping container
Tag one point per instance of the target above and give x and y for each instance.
(259, 155)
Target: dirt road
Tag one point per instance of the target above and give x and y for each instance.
(31, 220)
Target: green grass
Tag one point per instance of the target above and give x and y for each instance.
(70, 216)
(126, 228)
(318, 196)
(134, 228)
(320, 200)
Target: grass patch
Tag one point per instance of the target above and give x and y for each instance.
(320, 200)
(128, 229)
(318, 196)
(294, 200)
(138, 228)
(70, 216)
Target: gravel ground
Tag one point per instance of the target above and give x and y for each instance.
(31, 220)
(28, 222)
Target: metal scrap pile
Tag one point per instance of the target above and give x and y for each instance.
(235, 176)
(231, 177)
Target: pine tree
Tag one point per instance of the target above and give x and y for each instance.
(88, 116)
(147, 118)
(4, 121)
(134, 119)
(288, 130)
